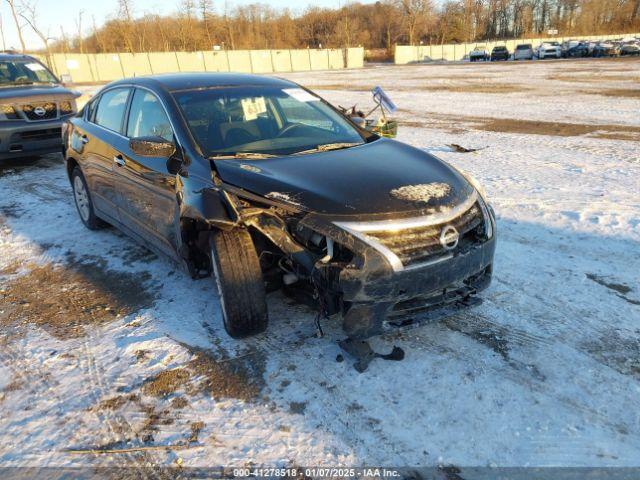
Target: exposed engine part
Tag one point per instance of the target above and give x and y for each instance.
(327, 258)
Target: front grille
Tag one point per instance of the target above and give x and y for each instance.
(34, 135)
(32, 111)
(421, 244)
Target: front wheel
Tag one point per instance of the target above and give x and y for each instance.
(239, 281)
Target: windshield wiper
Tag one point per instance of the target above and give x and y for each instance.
(244, 155)
(329, 146)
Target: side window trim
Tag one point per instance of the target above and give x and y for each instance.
(90, 110)
(130, 89)
(130, 102)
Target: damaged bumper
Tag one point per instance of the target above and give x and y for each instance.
(415, 296)
(409, 272)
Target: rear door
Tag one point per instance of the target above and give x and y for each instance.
(145, 189)
(100, 137)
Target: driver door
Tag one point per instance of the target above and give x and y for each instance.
(145, 189)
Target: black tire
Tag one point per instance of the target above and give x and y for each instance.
(85, 206)
(239, 281)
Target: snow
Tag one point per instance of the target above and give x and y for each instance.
(421, 193)
(544, 373)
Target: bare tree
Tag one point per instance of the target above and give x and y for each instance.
(79, 28)
(4, 47)
(28, 13)
(12, 7)
(414, 12)
(206, 6)
(126, 19)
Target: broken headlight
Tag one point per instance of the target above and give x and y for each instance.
(7, 112)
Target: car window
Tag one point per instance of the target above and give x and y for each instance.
(304, 113)
(147, 117)
(111, 107)
(262, 119)
(18, 72)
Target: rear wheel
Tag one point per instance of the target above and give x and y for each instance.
(239, 281)
(83, 201)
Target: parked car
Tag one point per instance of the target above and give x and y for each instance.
(480, 53)
(500, 53)
(549, 50)
(577, 50)
(606, 49)
(630, 49)
(34, 106)
(256, 179)
(523, 52)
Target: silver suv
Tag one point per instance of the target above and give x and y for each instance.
(33, 107)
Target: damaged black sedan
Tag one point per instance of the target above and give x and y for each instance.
(264, 185)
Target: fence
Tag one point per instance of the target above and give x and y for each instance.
(105, 67)
(454, 52)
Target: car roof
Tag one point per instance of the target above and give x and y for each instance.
(15, 56)
(194, 81)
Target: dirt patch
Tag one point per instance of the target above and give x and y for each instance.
(617, 351)
(620, 289)
(196, 428)
(178, 403)
(66, 299)
(240, 378)
(297, 407)
(14, 385)
(480, 88)
(594, 78)
(335, 86)
(422, 86)
(167, 382)
(618, 92)
(557, 129)
(459, 124)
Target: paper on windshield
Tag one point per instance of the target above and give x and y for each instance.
(252, 107)
(300, 95)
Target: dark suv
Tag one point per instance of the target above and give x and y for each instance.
(33, 107)
(500, 53)
(263, 184)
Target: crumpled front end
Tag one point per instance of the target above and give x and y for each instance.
(406, 272)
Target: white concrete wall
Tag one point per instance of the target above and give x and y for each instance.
(454, 52)
(106, 67)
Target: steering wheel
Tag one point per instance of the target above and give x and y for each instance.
(289, 128)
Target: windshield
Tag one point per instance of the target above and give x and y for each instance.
(20, 72)
(262, 120)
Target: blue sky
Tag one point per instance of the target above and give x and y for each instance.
(54, 13)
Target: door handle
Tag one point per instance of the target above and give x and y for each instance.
(118, 160)
(84, 139)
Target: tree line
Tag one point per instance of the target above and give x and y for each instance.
(197, 25)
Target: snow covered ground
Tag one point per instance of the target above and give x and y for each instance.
(105, 346)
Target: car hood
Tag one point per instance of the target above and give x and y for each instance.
(31, 93)
(375, 179)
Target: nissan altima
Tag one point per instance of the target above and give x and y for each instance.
(264, 185)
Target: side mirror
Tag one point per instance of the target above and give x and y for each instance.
(152, 147)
